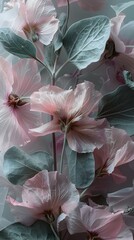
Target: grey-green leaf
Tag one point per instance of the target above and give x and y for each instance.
(49, 56)
(85, 40)
(16, 45)
(118, 108)
(19, 166)
(81, 168)
(38, 231)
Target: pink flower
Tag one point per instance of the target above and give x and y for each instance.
(97, 222)
(122, 200)
(37, 19)
(16, 83)
(34, 20)
(118, 150)
(44, 197)
(70, 110)
(91, 5)
(116, 51)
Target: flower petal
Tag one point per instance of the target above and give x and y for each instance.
(45, 129)
(86, 135)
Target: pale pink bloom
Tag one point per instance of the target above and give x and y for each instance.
(97, 222)
(37, 20)
(6, 217)
(122, 200)
(90, 5)
(44, 197)
(118, 150)
(70, 110)
(116, 51)
(34, 20)
(16, 83)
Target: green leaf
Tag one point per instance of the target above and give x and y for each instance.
(120, 7)
(118, 108)
(17, 45)
(38, 231)
(81, 168)
(85, 40)
(49, 57)
(19, 166)
(128, 79)
(52, 49)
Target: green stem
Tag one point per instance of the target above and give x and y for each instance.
(54, 69)
(83, 192)
(54, 151)
(48, 70)
(54, 232)
(53, 134)
(67, 19)
(63, 150)
(62, 66)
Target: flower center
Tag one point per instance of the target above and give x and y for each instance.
(65, 125)
(110, 51)
(49, 216)
(31, 32)
(93, 236)
(14, 101)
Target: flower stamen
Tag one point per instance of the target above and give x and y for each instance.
(14, 101)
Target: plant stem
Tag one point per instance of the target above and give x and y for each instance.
(54, 232)
(48, 70)
(53, 134)
(54, 151)
(54, 69)
(66, 23)
(63, 150)
(62, 66)
(83, 192)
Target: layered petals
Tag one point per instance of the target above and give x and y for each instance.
(116, 51)
(43, 197)
(37, 20)
(118, 150)
(15, 115)
(70, 110)
(122, 200)
(97, 222)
